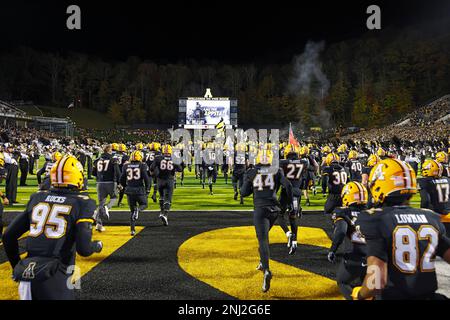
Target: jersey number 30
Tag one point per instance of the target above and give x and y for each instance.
(49, 220)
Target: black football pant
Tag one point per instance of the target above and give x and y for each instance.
(137, 201)
(350, 274)
(105, 189)
(55, 288)
(23, 172)
(293, 216)
(89, 167)
(263, 219)
(324, 184)
(165, 189)
(237, 180)
(1, 219)
(447, 228)
(11, 182)
(333, 201)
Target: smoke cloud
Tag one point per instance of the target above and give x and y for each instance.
(308, 70)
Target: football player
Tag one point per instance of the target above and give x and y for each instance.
(353, 265)
(354, 166)
(435, 191)
(401, 241)
(106, 170)
(337, 179)
(371, 162)
(59, 222)
(122, 158)
(342, 153)
(154, 151)
(325, 151)
(136, 185)
(263, 182)
(209, 166)
(44, 184)
(311, 167)
(442, 158)
(4, 200)
(239, 168)
(164, 170)
(293, 168)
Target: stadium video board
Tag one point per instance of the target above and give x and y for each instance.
(205, 113)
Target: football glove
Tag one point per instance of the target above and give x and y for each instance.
(331, 257)
(97, 246)
(355, 294)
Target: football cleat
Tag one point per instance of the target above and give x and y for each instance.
(106, 212)
(135, 215)
(259, 267)
(290, 237)
(154, 197)
(164, 219)
(293, 247)
(100, 228)
(307, 203)
(266, 281)
(235, 195)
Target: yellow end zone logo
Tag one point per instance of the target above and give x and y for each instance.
(226, 259)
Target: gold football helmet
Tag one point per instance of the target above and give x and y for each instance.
(264, 157)
(391, 177)
(167, 149)
(330, 158)
(139, 146)
(373, 160)
(326, 149)
(353, 154)
(442, 157)
(342, 148)
(115, 146)
(56, 156)
(432, 168)
(122, 147)
(381, 152)
(2, 160)
(291, 149)
(354, 193)
(136, 156)
(304, 151)
(67, 172)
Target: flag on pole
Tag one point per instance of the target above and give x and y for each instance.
(292, 139)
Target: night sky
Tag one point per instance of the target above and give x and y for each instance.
(228, 31)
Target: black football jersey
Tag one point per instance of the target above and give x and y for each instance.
(106, 168)
(408, 240)
(53, 215)
(354, 242)
(150, 156)
(135, 178)
(239, 163)
(294, 169)
(337, 178)
(164, 167)
(264, 183)
(435, 194)
(355, 169)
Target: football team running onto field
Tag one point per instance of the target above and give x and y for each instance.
(368, 206)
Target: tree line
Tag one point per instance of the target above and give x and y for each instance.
(373, 80)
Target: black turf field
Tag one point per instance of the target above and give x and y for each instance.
(146, 267)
